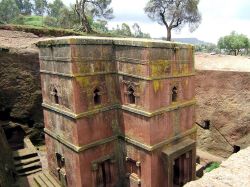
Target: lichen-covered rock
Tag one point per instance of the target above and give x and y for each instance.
(234, 172)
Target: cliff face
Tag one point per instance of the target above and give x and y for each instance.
(223, 98)
(6, 163)
(20, 93)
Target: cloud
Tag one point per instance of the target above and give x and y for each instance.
(219, 18)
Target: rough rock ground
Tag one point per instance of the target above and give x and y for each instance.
(234, 172)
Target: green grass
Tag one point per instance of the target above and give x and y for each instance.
(42, 31)
(212, 166)
(33, 20)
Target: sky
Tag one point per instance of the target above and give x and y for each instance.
(219, 18)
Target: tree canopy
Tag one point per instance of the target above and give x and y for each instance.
(174, 14)
(234, 43)
(8, 10)
(96, 8)
(40, 7)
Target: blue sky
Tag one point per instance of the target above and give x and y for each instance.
(219, 18)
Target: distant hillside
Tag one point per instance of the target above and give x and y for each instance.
(193, 41)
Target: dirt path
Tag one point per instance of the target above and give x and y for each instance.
(205, 61)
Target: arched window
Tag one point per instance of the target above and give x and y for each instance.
(174, 94)
(131, 95)
(56, 98)
(97, 96)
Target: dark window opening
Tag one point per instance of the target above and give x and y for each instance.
(132, 167)
(131, 96)
(206, 124)
(174, 94)
(60, 160)
(236, 149)
(97, 97)
(103, 174)
(56, 98)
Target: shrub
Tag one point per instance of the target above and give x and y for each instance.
(212, 166)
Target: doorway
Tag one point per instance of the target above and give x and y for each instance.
(181, 169)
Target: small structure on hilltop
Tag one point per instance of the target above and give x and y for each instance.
(119, 112)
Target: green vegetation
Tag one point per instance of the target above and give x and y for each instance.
(54, 17)
(234, 43)
(29, 20)
(42, 31)
(212, 166)
(174, 14)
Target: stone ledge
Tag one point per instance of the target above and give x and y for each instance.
(127, 108)
(116, 137)
(90, 40)
(116, 73)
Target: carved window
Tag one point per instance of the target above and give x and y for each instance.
(174, 94)
(102, 172)
(131, 95)
(133, 171)
(60, 160)
(132, 166)
(97, 96)
(61, 169)
(56, 97)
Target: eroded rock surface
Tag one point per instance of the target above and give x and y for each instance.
(223, 98)
(234, 172)
(20, 93)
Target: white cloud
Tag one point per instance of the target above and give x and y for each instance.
(219, 18)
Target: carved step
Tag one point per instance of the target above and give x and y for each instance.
(23, 154)
(26, 161)
(39, 181)
(52, 179)
(28, 167)
(45, 179)
(29, 172)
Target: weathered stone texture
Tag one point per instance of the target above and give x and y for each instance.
(6, 162)
(20, 91)
(109, 106)
(223, 98)
(234, 172)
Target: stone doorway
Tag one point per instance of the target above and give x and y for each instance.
(179, 162)
(181, 169)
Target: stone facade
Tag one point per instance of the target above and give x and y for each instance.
(118, 112)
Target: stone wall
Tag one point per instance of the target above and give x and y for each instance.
(20, 95)
(223, 98)
(6, 162)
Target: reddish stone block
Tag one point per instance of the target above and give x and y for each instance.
(118, 112)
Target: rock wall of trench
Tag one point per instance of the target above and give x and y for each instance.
(20, 93)
(6, 163)
(223, 97)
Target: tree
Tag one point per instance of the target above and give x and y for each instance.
(234, 43)
(138, 33)
(54, 8)
(125, 30)
(97, 8)
(25, 6)
(174, 14)
(8, 10)
(100, 26)
(67, 18)
(40, 7)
